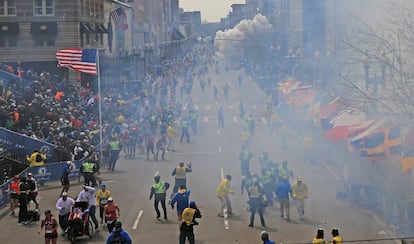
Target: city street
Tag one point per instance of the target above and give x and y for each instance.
(214, 152)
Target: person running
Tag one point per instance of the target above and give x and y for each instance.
(220, 116)
(215, 92)
(182, 198)
(111, 211)
(102, 197)
(159, 191)
(64, 179)
(87, 194)
(186, 229)
(180, 173)
(250, 124)
(171, 134)
(226, 89)
(245, 156)
(282, 192)
(14, 194)
(223, 191)
(150, 141)
(64, 205)
(160, 145)
(299, 194)
(119, 235)
(185, 124)
(51, 225)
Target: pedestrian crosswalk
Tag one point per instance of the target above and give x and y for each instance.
(202, 107)
(233, 119)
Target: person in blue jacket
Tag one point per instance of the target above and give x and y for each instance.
(181, 198)
(265, 238)
(118, 235)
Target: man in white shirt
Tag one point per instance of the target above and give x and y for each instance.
(88, 195)
(64, 205)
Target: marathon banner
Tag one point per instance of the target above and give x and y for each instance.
(43, 174)
(22, 145)
(53, 171)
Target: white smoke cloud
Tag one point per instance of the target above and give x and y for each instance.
(230, 42)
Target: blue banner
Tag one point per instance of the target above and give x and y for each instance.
(22, 145)
(53, 171)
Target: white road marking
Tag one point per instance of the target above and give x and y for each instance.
(231, 106)
(264, 120)
(156, 173)
(137, 220)
(330, 170)
(196, 107)
(205, 119)
(219, 148)
(218, 131)
(254, 107)
(222, 173)
(208, 106)
(234, 119)
(109, 181)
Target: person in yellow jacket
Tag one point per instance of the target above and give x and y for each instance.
(223, 191)
(36, 159)
(171, 134)
(102, 197)
(318, 239)
(336, 238)
(299, 194)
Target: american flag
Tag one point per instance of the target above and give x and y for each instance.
(120, 19)
(82, 60)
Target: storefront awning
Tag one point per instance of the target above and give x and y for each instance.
(101, 28)
(86, 28)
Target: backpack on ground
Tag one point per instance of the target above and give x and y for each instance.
(39, 158)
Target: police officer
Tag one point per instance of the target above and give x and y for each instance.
(256, 203)
(159, 190)
(185, 123)
(114, 147)
(180, 173)
(186, 229)
(24, 190)
(244, 157)
(87, 170)
(193, 117)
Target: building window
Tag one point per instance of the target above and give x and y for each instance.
(41, 41)
(44, 7)
(7, 7)
(8, 41)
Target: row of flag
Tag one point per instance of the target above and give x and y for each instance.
(373, 138)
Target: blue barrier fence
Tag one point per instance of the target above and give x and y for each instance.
(22, 145)
(42, 174)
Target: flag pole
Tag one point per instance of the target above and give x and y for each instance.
(99, 104)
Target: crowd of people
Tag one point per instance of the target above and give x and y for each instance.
(146, 122)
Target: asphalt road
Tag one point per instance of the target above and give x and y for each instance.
(214, 152)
